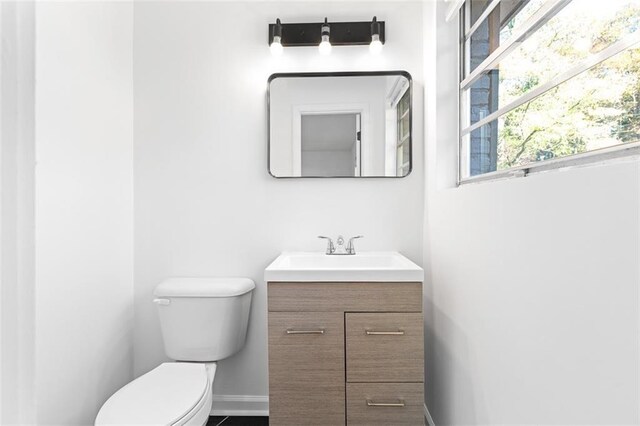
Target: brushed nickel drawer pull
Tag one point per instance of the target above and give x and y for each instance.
(321, 331)
(385, 333)
(399, 404)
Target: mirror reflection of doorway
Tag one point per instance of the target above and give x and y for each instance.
(331, 144)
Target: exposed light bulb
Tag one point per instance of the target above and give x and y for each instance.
(276, 46)
(325, 46)
(376, 45)
(276, 43)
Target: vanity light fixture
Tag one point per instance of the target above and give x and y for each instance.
(376, 45)
(325, 45)
(276, 44)
(324, 35)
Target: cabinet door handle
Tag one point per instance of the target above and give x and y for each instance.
(399, 404)
(321, 331)
(384, 333)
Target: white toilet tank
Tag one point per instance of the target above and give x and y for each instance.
(203, 319)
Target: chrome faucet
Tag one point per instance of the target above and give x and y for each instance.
(330, 247)
(339, 248)
(350, 247)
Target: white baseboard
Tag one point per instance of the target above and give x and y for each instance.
(240, 405)
(427, 415)
(256, 405)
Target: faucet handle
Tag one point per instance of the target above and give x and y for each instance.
(350, 248)
(330, 247)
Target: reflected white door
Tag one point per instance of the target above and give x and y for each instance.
(330, 144)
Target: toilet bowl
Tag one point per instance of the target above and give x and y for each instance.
(203, 320)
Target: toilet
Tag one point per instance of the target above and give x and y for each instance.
(203, 320)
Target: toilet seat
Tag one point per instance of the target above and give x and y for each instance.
(171, 394)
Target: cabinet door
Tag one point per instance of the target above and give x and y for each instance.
(385, 347)
(306, 368)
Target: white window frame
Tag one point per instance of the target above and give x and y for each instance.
(401, 144)
(548, 10)
(392, 146)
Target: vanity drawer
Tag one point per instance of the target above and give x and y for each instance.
(371, 404)
(306, 368)
(384, 347)
(345, 297)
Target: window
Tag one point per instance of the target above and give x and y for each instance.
(547, 79)
(403, 153)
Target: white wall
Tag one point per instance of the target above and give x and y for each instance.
(84, 216)
(532, 296)
(17, 189)
(204, 202)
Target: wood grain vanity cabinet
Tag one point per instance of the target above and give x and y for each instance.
(345, 354)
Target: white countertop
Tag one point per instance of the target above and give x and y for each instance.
(387, 266)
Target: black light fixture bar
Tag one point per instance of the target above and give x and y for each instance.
(342, 33)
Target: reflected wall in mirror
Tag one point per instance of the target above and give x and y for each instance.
(340, 124)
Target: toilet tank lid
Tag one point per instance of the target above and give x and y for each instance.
(203, 287)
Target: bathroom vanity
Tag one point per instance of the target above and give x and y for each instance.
(345, 340)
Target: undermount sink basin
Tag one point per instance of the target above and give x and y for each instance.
(319, 267)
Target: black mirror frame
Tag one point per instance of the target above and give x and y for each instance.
(339, 74)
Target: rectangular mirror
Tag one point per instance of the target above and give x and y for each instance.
(351, 124)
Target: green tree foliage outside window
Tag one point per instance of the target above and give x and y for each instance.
(598, 108)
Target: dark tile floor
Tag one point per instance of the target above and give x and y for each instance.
(237, 421)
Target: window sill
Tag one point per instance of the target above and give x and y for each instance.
(629, 151)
